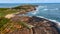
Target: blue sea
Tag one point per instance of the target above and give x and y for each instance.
(47, 10)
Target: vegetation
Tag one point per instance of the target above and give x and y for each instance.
(6, 25)
(3, 21)
(5, 11)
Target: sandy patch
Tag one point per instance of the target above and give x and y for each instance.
(9, 16)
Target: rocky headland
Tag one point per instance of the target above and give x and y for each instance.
(27, 24)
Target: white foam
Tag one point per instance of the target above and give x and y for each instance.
(35, 12)
(58, 23)
(40, 6)
(45, 9)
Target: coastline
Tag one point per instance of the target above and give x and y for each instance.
(37, 21)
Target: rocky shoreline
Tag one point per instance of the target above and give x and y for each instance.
(42, 26)
(21, 10)
(38, 25)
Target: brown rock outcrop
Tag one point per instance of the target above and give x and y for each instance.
(42, 26)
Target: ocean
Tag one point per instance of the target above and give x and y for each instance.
(46, 10)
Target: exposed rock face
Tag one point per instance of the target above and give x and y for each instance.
(42, 26)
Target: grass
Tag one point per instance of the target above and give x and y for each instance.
(5, 11)
(5, 23)
(25, 25)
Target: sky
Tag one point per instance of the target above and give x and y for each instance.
(29, 1)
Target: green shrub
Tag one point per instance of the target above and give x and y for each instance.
(3, 21)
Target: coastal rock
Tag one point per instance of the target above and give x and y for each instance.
(23, 9)
(42, 26)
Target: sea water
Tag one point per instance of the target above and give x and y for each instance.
(47, 10)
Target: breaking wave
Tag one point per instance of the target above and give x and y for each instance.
(34, 13)
(55, 21)
(40, 7)
(45, 8)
